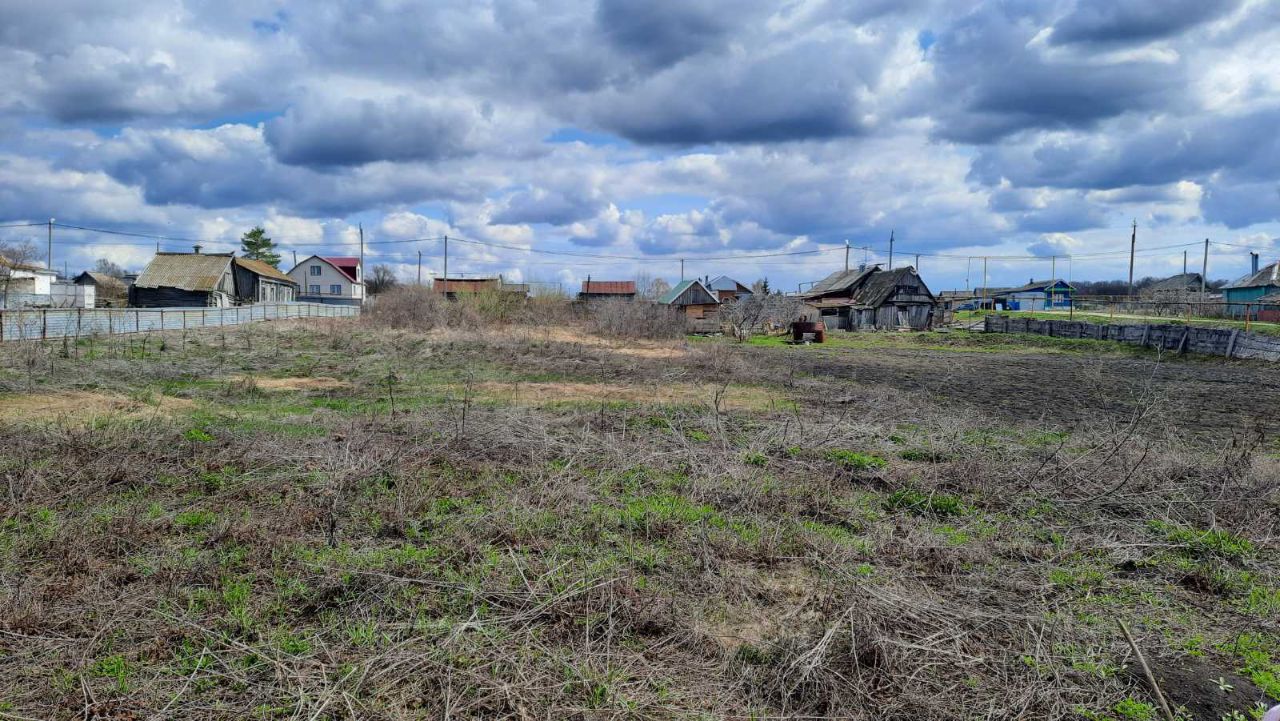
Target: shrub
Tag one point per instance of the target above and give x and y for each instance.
(634, 319)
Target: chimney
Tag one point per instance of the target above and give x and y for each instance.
(197, 248)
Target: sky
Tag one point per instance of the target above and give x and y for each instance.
(572, 138)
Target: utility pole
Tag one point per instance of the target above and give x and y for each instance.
(968, 266)
(419, 267)
(295, 259)
(891, 250)
(1133, 244)
(1204, 269)
(1184, 262)
(917, 265)
(360, 270)
(49, 260)
(682, 270)
(984, 279)
(446, 265)
(846, 255)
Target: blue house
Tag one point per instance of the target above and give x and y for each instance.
(1250, 288)
(1038, 295)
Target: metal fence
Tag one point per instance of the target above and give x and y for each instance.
(42, 323)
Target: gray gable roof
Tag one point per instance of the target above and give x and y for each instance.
(724, 282)
(187, 271)
(1181, 281)
(1266, 276)
(840, 280)
(671, 296)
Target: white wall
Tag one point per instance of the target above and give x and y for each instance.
(329, 276)
(42, 280)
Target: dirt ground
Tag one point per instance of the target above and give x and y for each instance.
(1214, 398)
(83, 405)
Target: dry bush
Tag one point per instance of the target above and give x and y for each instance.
(635, 319)
(419, 308)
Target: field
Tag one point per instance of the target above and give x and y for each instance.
(340, 520)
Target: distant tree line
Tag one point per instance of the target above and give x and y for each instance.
(1121, 287)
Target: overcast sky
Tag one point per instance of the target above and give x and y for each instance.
(654, 130)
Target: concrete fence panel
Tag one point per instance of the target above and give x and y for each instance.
(1176, 338)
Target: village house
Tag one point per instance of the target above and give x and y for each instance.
(1050, 294)
(726, 288)
(194, 280)
(874, 299)
(1181, 287)
(1244, 292)
(698, 304)
(24, 284)
(607, 290)
(258, 282)
(336, 280)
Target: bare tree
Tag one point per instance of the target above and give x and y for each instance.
(760, 312)
(649, 287)
(381, 279)
(13, 257)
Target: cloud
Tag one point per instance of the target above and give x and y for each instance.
(1051, 244)
(1134, 21)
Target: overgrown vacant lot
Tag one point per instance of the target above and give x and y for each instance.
(342, 521)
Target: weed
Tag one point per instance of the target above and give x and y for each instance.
(855, 460)
(921, 503)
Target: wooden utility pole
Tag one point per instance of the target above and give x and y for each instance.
(1184, 262)
(1133, 244)
(1204, 269)
(890, 250)
(846, 255)
(682, 270)
(984, 278)
(419, 267)
(917, 265)
(968, 266)
(360, 270)
(1053, 267)
(446, 264)
(49, 260)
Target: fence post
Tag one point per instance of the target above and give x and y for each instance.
(44, 324)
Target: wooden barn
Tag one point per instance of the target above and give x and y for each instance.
(874, 299)
(607, 290)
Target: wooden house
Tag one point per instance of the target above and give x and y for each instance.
(607, 290)
(1050, 294)
(1244, 292)
(727, 289)
(1181, 287)
(699, 305)
(874, 299)
(258, 282)
(196, 280)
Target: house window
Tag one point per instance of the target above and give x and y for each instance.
(336, 289)
(314, 289)
(315, 270)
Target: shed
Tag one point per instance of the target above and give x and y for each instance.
(726, 288)
(455, 287)
(607, 289)
(871, 298)
(193, 280)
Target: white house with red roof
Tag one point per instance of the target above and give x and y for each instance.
(329, 279)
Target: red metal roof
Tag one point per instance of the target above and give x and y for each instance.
(345, 265)
(609, 287)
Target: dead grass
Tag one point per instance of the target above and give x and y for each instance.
(292, 384)
(86, 407)
(538, 394)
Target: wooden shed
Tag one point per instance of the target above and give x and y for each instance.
(258, 282)
(874, 299)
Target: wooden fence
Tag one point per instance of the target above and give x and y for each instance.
(1229, 343)
(44, 323)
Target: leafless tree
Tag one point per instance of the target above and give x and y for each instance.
(760, 312)
(13, 256)
(381, 279)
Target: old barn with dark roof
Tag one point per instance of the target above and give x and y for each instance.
(874, 299)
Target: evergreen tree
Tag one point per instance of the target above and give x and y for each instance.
(255, 245)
